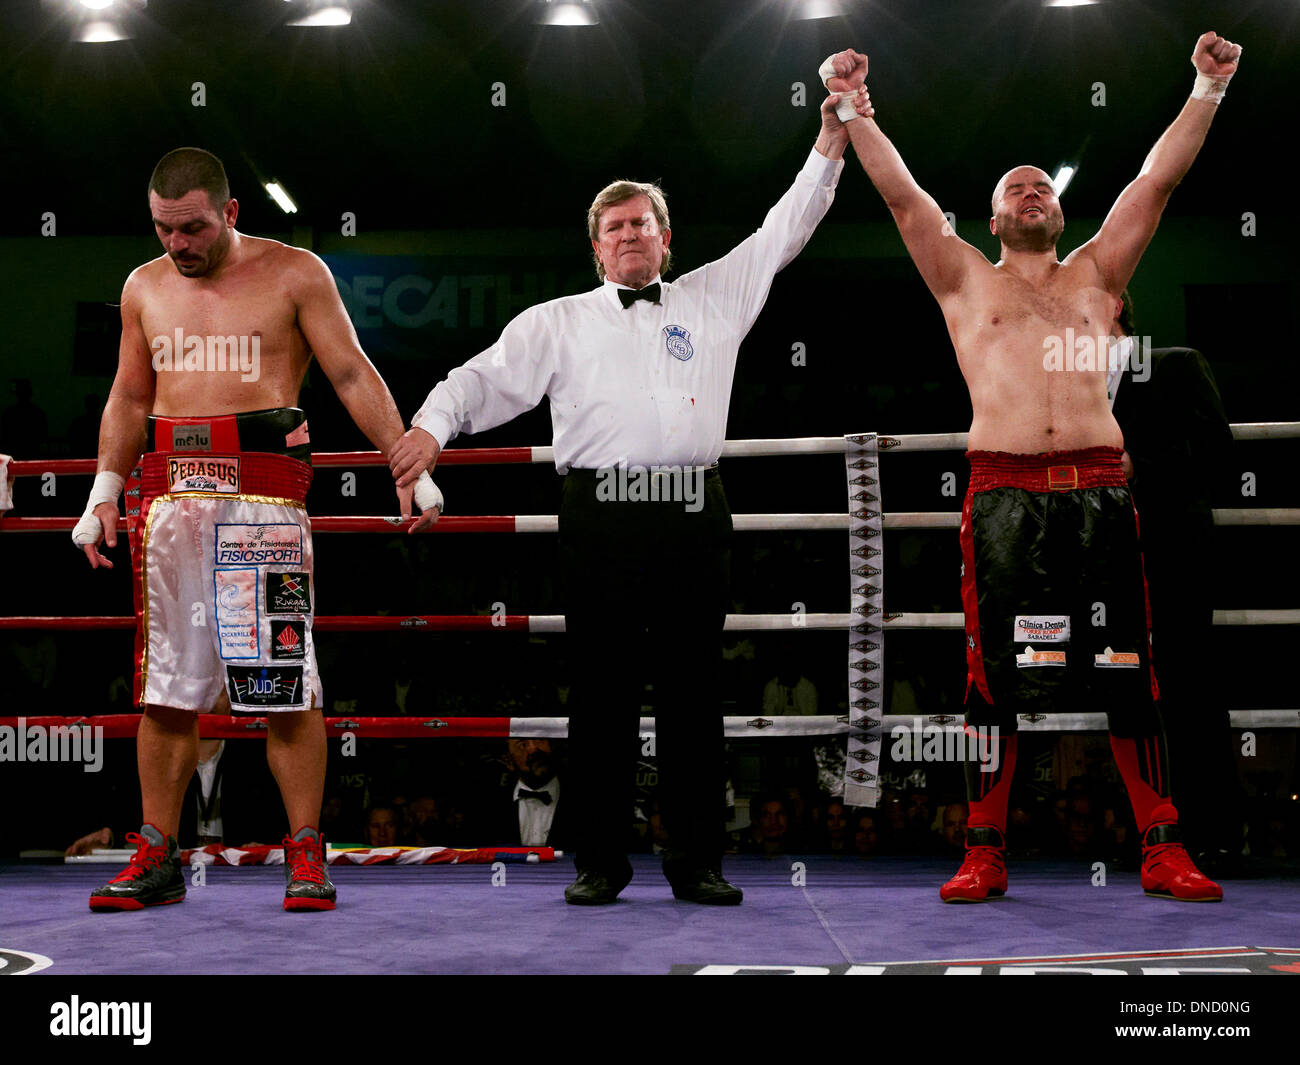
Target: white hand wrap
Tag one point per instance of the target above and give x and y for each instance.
(427, 494)
(106, 489)
(1210, 88)
(844, 110)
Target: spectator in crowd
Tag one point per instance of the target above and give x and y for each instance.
(866, 839)
(529, 811)
(382, 824)
(952, 825)
(769, 825)
(425, 828)
(835, 828)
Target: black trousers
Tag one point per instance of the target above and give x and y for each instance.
(646, 592)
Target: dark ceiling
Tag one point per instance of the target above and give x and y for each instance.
(392, 116)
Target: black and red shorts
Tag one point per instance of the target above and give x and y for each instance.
(1053, 590)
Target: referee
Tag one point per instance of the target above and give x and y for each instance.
(639, 374)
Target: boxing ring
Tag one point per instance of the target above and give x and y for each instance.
(501, 910)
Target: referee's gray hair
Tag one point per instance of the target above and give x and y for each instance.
(617, 192)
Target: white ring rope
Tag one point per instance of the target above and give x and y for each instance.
(838, 725)
(932, 620)
(906, 519)
(834, 445)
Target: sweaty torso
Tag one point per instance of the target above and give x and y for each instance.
(226, 343)
(1034, 357)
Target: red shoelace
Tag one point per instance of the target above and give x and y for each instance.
(146, 857)
(305, 859)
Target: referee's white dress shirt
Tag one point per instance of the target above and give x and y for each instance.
(649, 385)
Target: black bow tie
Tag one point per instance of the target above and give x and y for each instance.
(540, 796)
(628, 296)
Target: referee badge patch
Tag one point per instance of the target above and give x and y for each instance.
(678, 341)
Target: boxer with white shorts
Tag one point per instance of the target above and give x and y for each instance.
(217, 335)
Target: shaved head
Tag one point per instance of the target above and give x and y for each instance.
(1024, 173)
(1026, 210)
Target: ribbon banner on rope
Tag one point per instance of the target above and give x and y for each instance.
(866, 630)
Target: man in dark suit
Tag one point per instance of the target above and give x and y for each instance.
(529, 813)
(1177, 439)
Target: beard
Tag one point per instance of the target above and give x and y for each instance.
(1019, 233)
(202, 265)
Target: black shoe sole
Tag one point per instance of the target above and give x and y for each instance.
(580, 900)
(723, 900)
(117, 903)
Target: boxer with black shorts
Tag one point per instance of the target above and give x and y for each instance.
(1053, 591)
(217, 335)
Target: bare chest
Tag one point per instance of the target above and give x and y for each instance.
(238, 311)
(1010, 310)
(215, 348)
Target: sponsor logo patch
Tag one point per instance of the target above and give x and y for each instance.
(217, 475)
(1117, 660)
(288, 639)
(288, 593)
(264, 685)
(191, 438)
(1041, 628)
(1032, 658)
(234, 599)
(260, 545)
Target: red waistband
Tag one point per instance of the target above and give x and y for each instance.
(217, 433)
(275, 431)
(225, 476)
(1055, 471)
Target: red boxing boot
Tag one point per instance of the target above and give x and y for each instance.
(1167, 869)
(983, 875)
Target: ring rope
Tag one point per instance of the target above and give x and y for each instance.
(226, 727)
(808, 445)
(539, 623)
(550, 523)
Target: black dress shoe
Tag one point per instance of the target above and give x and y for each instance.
(707, 887)
(596, 888)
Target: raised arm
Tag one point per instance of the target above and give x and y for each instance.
(1128, 229)
(942, 257)
(739, 282)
